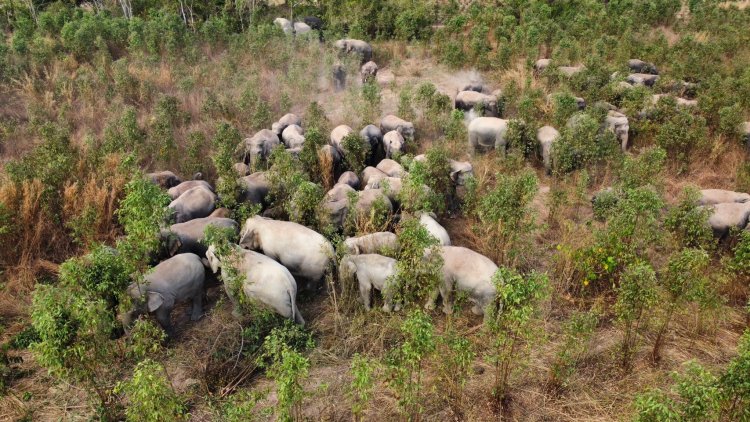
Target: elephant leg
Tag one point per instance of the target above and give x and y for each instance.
(197, 307)
(236, 310)
(446, 292)
(365, 289)
(387, 299)
(432, 299)
(162, 316)
(473, 144)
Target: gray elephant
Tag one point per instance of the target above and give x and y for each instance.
(391, 186)
(242, 169)
(165, 179)
(391, 168)
(466, 271)
(391, 122)
(541, 64)
(358, 47)
(305, 252)
(745, 132)
(727, 216)
(642, 79)
(369, 198)
(349, 178)
(374, 136)
(196, 202)
(338, 134)
(547, 136)
(469, 100)
(221, 213)
(371, 271)
(719, 196)
(339, 76)
(177, 279)
(393, 143)
(618, 124)
(373, 243)
(368, 72)
(461, 171)
(371, 173)
(293, 137)
(427, 220)
(176, 191)
(265, 281)
(188, 236)
(259, 146)
(639, 66)
(475, 86)
(570, 71)
(301, 28)
(285, 121)
(486, 133)
(339, 192)
(255, 188)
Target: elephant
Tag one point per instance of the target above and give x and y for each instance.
(175, 192)
(165, 179)
(371, 173)
(349, 178)
(368, 198)
(285, 121)
(486, 133)
(255, 188)
(338, 134)
(639, 66)
(374, 136)
(642, 79)
(176, 279)
(391, 186)
(541, 64)
(473, 86)
(293, 137)
(221, 213)
(391, 122)
(726, 216)
(196, 202)
(720, 196)
(336, 212)
(371, 271)
(427, 220)
(368, 72)
(242, 169)
(391, 168)
(301, 28)
(379, 243)
(259, 147)
(265, 281)
(285, 25)
(461, 171)
(352, 46)
(393, 143)
(570, 71)
(468, 100)
(305, 252)
(188, 236)
(618, 124)
(339, 76)
(466, 271)
(681, 102)
(547, 136)
(340, 191)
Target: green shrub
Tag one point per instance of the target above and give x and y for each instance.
(730, 119)
(355, 152)
(564, 105)
(224, 144)
(417, 277)
(150, 395)
(682, 136)
(577, 333)
(688, 223)
(362, 384)
(636, 296)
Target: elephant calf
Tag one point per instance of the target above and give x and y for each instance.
(371, 243)
(177, 279)
(467, 271)
(166, 179)
(547, 136)
(371, 270)
(265, 281)
(434, 228)
(188, 236)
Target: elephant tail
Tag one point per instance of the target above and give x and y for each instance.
(296, 316)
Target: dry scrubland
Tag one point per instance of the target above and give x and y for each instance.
(627, 309)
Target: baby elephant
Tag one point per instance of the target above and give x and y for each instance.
(177, 279)
(371, 270)
(371, 243)
(265, 281)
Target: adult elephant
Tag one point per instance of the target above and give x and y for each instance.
(618, 124)
(466, 271)
(285, 121)
(371, 271)
(719, 196)
(349, 178)
(427, 220)
(639, 66)
(391, 168)
(255, 188)
(177, 279)
(175, 192)
(338, 134)
(469, 100)
(374, 136)
(393, 144)
(264, 281)
(358, 47)
(372, 243)
(285, 25)
(391, 122)
(313, 22)
(371, 173)
(727, 216)
(196, 202)
(165, 179)
(390, 186)
(293, 137)
(547, 136)
(486, 133)
(188, 236)
(305, 252)
(259, 146)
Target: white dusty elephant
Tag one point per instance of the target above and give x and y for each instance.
(618, 124)
(352, 46)
(337, 136)
(391, 122)
(176, 191)
(284, 122)
(547, 136)
(391, 168)
(255, 188)
(349, 178)
(196, 202)
(466, 271)
(726, 216)
(427, 220)
(368, 198)
(265, 281)
(293, 136)
(301, 28)
(393, 143)
(188, 236)
(285, 25)
(468, 100)
(166, 179)
(379, 243)
(541, 64)
(486, 133)
(259, 146)
(719, 196)
(177, 279)
(371, 271)
(391, 186)
(305, 252)
(570, 71)
(371, 173)
(368, 72)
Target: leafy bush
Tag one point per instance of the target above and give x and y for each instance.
(636, 296)
(224, 143)
(355, 151)
(417, 276)
(683, 135)
(362, 384)
(150, 394)
(688, 223)
(577, 333)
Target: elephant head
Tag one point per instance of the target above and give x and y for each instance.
(213, 260)
(171, 243)
(151, 303)
(250, 239)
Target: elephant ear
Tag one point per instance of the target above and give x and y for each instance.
(155, 300)
(174, 244)
(454, 176)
